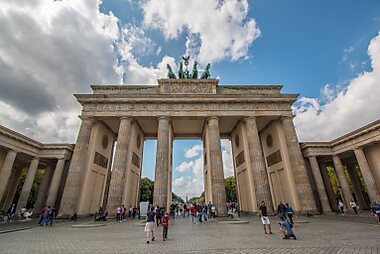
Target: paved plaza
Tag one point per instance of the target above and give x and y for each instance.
(319, 235)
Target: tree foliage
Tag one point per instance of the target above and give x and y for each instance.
(146, 190)
(230, 189)
(35, 187)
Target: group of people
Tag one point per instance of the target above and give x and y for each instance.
(155, 217)
(285, 213)
(353, 206)
(122, 213)
(47, 214)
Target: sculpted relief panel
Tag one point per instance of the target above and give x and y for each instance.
(179, 107)
(197, 88)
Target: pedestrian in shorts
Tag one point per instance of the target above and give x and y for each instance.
(265, 218)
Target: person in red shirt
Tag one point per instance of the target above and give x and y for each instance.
(165, 226)
(192, 212)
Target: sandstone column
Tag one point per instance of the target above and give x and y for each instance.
(12, 189)
(43, 190)
(216, 166)
(259, 172)
(320, 186)
(116, 189)
(55, 182)
(297, 163)
(163, 156)
(26, 188)
(77, 166)
(373, 191)
(347, 196)
(6, 170)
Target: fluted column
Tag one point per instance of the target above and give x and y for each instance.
(77, 167)
(372, 189)
(160, 196)
(6, 170)
(297, 162)
(320, 186)
(43, 190)
(259, 172)
(26, 188)
(339, 169)
(216, 166)
(12, 189)
(115, 193)
(55, 182)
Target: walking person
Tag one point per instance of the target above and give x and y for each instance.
(341, 206)
(46, 216)
(289, 213)
(158, 216)
(11, 212)
(165, 226)
(192, 212)
(150, 225)
(50, 216)
(265, 218)
(354, 206)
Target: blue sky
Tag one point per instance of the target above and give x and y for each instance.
(327, 51)
(303, 45)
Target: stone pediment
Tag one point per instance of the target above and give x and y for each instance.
(188, 86)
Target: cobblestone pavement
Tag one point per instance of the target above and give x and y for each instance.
(320, 235)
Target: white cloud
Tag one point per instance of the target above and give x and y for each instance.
(194, 151)
(215, 29)
(184, 166)
(349, 109)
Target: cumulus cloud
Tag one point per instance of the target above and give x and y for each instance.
(346, 109)
(215, 29)
(194, 151)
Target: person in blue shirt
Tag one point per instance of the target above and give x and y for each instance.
(286, 229)
(289, 213)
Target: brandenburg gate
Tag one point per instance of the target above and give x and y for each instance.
(268, 161)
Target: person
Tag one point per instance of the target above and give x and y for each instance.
(150, 225)
(341, 206)
(130, 212)
(290, 213)
(375, 207)
(50, 216)
(118, 211)
(286, 229)
(184, 210)
(42, 211)
(46, 216)
(74, 217)
(134, 212)
(23, 210)
(209, 206)
(11, 212)
(158, 216)
(354, 206)
(165, 226)
(192, 212)
(265, 218)
(123, 211)
(281, 210)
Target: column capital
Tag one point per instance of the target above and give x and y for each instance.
(250, 118)
(126, 118)
(163, 118)
(213, 118)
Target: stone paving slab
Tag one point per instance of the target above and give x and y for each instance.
(318, 236)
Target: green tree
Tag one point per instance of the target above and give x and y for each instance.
(176, 199)
(230, 189)
(35, 187)
(146, 190)
(199, 200)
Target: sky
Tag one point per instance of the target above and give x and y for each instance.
(326, 51)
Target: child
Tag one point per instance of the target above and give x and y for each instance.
(286, 229)
(165, 226)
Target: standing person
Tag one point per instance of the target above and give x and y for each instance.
(11, 212)
(46, 216)
(354, 206)
(286, 229)
(341, 206)
(150, 225)
(375, 207)
(122, 213)
(290, 213)
(50, 216)
(158, 216)
(165, 226)
(209, 207)
(118, 210)
(264, 217)
(192, 212)
(184, 210)
(42, 211)
(130, 212)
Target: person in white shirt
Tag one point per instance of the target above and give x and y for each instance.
(354, 206)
